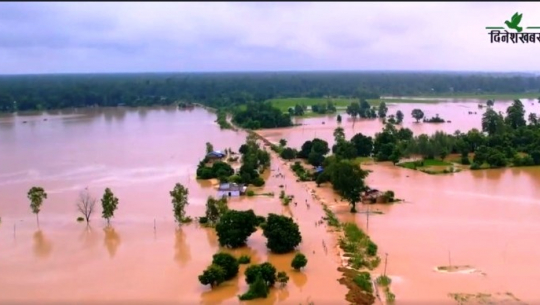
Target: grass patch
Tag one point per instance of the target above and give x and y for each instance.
(363, 251)
(330, 218)
(360, 160)
(244, 259)
(285, 199)
(430, 166)
(285, 103)
(352, 279)
(301, 172)
(491, 96)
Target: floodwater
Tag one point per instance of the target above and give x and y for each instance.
(140, 154)
(456, 112)
(486, 219)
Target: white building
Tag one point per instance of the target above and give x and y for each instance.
(231, 190)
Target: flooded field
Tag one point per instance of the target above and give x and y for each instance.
(140, 155)
(485, 222)
(456, 112)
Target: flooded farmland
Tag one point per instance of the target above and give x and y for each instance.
(483, 219)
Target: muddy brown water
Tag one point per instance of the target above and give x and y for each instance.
(486, 219)
(456, 111)
(140, 154)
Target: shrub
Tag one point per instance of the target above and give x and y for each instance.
(234, 228)
(371, 248)
(258, 181)
(282, 278)
(258, 289)
(299, 261)
(244, 259)
(203, 220)
(80, 219)
(228, 263)
(282, 233)
(475, 166)
(213, 276)
(265, 270)
(363, 280)
(250, 193)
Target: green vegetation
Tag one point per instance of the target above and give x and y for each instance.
(80, 219)
(36, 195)
(234, 228)
(218, 169)
(254, 161)
(282, 278)
(363, 280)
(285, 199)
(215, 208)
(244, 259)
(299, 261)
(109, 204)
(223, 268)
(362, 252)
(219, 90)
(331, 218)
(179, 197)
(222, 120)
(282, 233)
(260, 278)
(384, 281)
(301, 172)
(261, 115)
(314, 151)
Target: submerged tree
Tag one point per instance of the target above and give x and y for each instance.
(383, 109)
(215, 208)
(282, 233)
(180, 200)
(348, 179)
(339, 118)
(399, 117)
(417, 114)
(299, 261)
(86, 204)
(36, 195)
(109, 203)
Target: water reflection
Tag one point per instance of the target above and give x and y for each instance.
(42, 246)
(112, 240)
(212, 237)
(298, 278)
(182, 252)
(224, 291)
(89, 237)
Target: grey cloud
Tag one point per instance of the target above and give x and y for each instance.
(191, 36)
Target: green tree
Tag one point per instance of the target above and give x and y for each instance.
(282, 233)
(353, 109)
(288, 153)
(234, 228)
(492, 122)
(228, 262)
(257, 289)
(282, 278)
(36, 195)
(109, 204)
(266, 271)
(339, 134)
(215, 208)
(315, 158)
(417, 114)
(363, 145)
(490, 103)
(282, 142)
(299, 261)
(348, 179)
(399, 117)
(339, 118)
(213, 276)
(515, 115)
(382, 110)
(179, 200)
(209, 147)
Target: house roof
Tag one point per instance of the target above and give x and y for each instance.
(319, 169)
(216, 153)
(231, 187)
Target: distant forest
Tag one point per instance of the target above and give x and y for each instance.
(40, 92)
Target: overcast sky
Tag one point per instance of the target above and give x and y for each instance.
(72, 37)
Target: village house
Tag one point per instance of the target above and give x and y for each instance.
(215, 155)
(231, 190)
(371, 195)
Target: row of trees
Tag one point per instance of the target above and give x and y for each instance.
(109, 203)
(260, 115)
(37, 92)
(85, 203)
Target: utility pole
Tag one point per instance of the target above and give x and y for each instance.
(385, 262)
(367, 218)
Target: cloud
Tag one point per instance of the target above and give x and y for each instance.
(189, 36)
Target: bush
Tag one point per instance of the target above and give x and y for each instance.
(250, 193)
(363, 280)
(265, 270)
(465, 160)
(282, 278)
(299, 261)
(213, 276)
(384, 280)
(282, 233)
(260, 220)
(203, 220)
(234, 228)
(258, 181)
(258, 289)
(475, 166)
(228, 263)
(371, 248)
(244, 259)
(80, 219)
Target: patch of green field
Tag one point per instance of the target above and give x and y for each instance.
(503, 96)
(427, 163)
(409, 100)
(285, 103)
(361, 160)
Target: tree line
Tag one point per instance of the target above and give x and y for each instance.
(218, 90)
